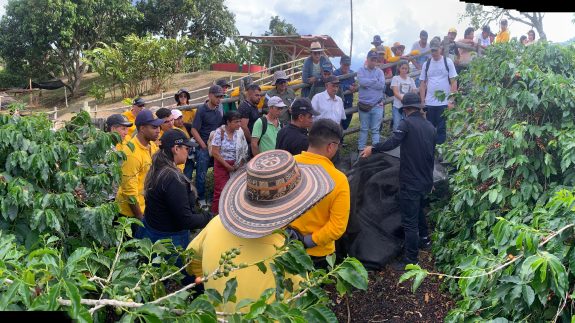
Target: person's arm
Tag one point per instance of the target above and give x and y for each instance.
(422, 84)
(364, 79)
(198, 139)
(380, 81)
(129, 184)
(394, 141)
(338, 215)
(395, 87)
(306, 73)
(196, 126)
(256, 137)
(177, 199)
(216, 144)
(452, 76)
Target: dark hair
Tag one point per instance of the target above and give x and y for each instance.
(163, 113)
(231, 116)
(401, 63)
(522, 38)
(531, 32)
(423, 33)
(162, 164)
(254, 87)
(468, 31)
(323, 132)
(504, 22)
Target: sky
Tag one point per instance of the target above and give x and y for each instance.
(392, 20)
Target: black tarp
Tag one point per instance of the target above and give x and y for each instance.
(374, 235)
(48, 85)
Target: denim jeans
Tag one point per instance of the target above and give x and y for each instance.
(202, 164)
(413, 222)
(397, 117)
(370, 122)
(435, 116)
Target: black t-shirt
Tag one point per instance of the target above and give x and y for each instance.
(249, 111)
(292, 139)
(170, 205)
(206, 121)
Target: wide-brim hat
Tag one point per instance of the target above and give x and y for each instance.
(180, 91)
(398, 45)
(270, 193)
(315, 47)
(376, 40)
(280, 75)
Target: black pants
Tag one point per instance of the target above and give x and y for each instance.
(413, 222)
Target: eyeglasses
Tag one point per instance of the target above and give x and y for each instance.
(184, 146)
(280, 82)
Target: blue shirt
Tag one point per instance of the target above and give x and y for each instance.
(345, 84)
(371, 85)
(206, 121)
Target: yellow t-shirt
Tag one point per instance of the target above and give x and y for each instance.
(130, 116)
(327, 220)
(134, 171)
(214, 240)
(502, 36)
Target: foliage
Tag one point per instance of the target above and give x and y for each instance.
(480, 16)
(513, 151)
(212, 22)
(97, 91)
(139, 64)
(47, 38)
(168, 18)
(10, 80)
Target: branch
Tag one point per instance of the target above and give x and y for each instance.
(529, 23)
(115, 259)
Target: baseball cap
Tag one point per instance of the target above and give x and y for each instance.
(216, 90)
(452, 30)
(331, 79)
(372, 54)
(175, 137)
(345, 60)
(276, 101)
(117, 119)
(301, 106)
(147, 117)
(222, 83)
(326, 67)
(435, 43)
(139, 102)
(176, 113)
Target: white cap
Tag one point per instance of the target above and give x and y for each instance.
(176, 113)
(276, 101)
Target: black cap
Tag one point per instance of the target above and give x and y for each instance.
(222, 83)
(412, 100)
(345, 60)
(117, 119)
(331, 79)
(175, 137)
(216, 90)
(147, 117)
(139, 102)
(301, 106)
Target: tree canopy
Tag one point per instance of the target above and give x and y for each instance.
(169, 18)
(481, 15)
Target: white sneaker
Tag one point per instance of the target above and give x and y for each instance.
(203, 204)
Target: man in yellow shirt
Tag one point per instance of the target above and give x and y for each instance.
(250, 214)
(119, 124)
(503, 35)
(326, 222)
(137, 106)
(139, 151)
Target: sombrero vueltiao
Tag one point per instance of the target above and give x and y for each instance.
(271, 192)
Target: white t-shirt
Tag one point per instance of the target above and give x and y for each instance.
(482, 41)
(327, 107)
(403, 86)
(438, 80)
(422, 50)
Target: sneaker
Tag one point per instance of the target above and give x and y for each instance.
(425, 243)
(399, 266)
(203, 204)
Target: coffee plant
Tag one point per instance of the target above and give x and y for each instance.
(505, 236)
(63, 247)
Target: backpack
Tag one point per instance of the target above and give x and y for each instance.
(446, 67)
(211, 138)
(264, 127)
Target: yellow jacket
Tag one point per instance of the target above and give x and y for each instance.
(134, 171)
(327, 220)
(130, 116)
(214, 240)
(502, 36)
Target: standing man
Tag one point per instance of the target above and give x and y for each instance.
(451, 46)
(483, 39)
(264, 135)
(328, 104)
(119, 124)
(423, 48)
(139, 151)
(311, 71)
(347, 84)
(417, 139)
(208, 118)
(294, 137)
(326, 222)
(137, 106)
(370, 102)
(437, 74)
(284, 92)
(249, 110)
(503, 35)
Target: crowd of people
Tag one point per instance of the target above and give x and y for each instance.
(273, 165)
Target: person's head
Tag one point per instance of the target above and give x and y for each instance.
(302, 113)
(411, 102)
(332, 85)
(523, 39)
(166, 115)
(118, 123)
(452, 33)
(376, 40)
(372, 59)
(531, 35)
(435, 47)
(137, 106)
(276, 106)
(215, 95)
(468, 34)
(503, 24)
(345, 63)
(485, 31)
(398, 49)
(316, 51)
(178, 118)
(423, 37)
(254, 93)
(326, 69)
(232, 120)
(250, 209)
(325, 136)
(182, 97)
(176, 144)
(148, 127)
(403, 67)
(280, 81)
(224, 84)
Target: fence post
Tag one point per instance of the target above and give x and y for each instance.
(162, 98)
(66, 96)
(55, 113)
(96, 111)
(86, 107)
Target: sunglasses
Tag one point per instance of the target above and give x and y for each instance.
(280, 82)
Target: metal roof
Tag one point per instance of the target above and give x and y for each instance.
(296, 45)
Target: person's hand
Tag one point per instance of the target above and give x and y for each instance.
(366, 152)
(203, 146)
(294, 234)
(230, 168)
(450, 104)
(311, 79)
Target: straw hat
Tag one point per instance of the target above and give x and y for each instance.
(315, 47)
(398, 45)
(272, 192)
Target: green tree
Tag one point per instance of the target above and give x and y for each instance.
(212, 22)
(277, 27)
(39, 38)
(169, 18)
(481, 15)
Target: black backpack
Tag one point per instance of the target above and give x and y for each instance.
(446, 67)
